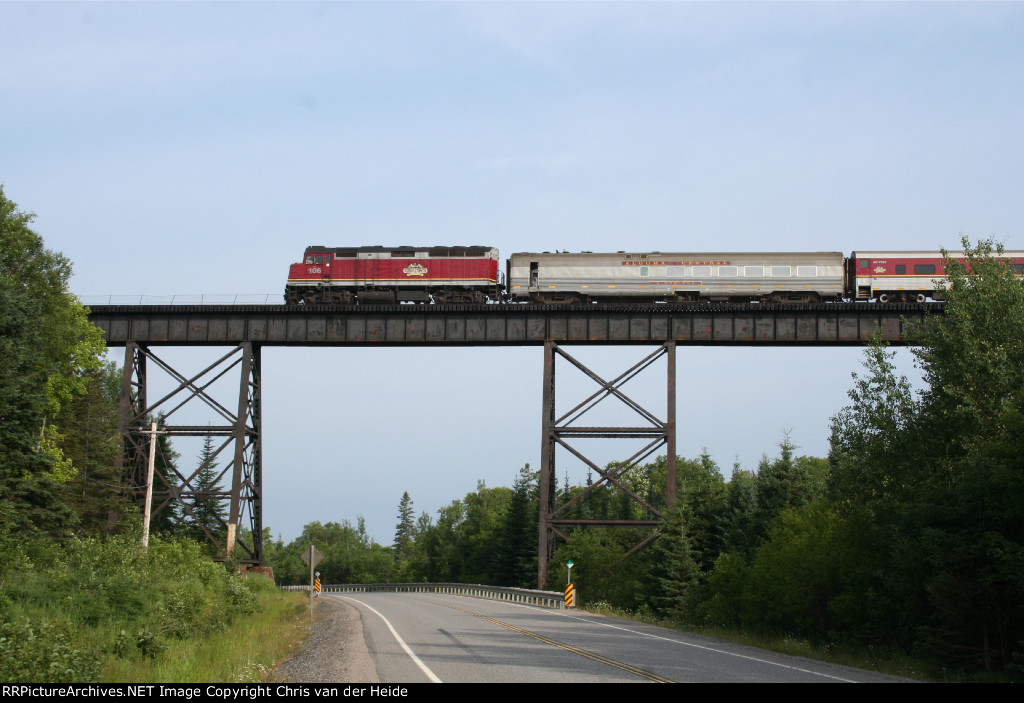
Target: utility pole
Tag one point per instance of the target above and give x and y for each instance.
(148, 510)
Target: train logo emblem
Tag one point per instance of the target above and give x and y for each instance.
(415, 269)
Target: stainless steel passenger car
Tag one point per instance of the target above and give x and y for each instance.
(799, 277)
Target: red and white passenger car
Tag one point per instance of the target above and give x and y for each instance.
(906, 276)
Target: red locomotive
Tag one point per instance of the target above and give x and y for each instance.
(386, 275)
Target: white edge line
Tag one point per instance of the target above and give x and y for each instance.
(690, 644)
(423, 667)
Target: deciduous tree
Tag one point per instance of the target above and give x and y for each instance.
(47, 345)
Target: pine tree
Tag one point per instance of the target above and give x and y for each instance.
(405, 529)
(90, 442)
(207, 518)
(517, 548)
(676, 566)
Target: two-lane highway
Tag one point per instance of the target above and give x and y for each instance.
(442, 638)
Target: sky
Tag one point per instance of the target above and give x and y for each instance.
(196, 148)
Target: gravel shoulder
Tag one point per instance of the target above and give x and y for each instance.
(335, 651)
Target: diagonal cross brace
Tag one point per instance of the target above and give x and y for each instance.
(609, 388)
(556, 430)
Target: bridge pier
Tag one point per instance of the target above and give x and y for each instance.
(555, 520)
(240, 429)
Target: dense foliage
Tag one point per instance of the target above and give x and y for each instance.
(50, 354)
(934, 484)
(68, 610)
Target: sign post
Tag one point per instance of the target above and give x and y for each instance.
(570, 591)
(312, 556)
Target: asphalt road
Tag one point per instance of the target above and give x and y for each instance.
(425, 637)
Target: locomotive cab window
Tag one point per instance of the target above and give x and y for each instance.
(309, 259)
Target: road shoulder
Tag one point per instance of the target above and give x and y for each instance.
(335, 651)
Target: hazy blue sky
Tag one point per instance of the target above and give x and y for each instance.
(192, 147)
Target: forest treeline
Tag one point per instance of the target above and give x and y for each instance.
(908, 538)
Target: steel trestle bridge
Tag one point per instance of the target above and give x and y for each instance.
(245, 329)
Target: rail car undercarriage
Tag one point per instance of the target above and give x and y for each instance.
(330, 295)
(689, 297)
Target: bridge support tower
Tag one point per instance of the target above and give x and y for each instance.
(237, 435)
(555, 519)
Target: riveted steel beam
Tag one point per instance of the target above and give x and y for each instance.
(832, 324)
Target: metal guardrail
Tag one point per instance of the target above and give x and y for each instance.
(543, 599)
(194, 299)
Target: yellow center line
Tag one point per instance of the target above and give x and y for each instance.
(568, 647)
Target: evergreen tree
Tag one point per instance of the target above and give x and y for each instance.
(786, 482)
(417, 566)
(739, 520)
(90, 441)
(676, 569)
(206, 518)
(517, 561)
(405, 529)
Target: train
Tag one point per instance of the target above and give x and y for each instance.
(342, 276)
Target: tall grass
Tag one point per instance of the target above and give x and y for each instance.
(103, 610)
(244, 652)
